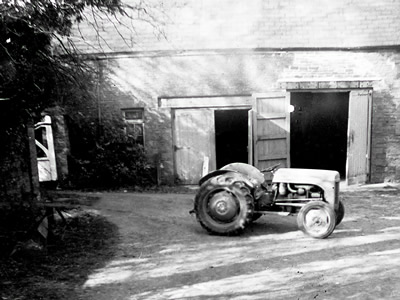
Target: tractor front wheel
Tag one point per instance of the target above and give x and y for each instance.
(225, 209)
(339, 213)
(317, 219)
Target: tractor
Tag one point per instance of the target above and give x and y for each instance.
(231, 198)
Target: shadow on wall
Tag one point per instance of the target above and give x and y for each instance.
(103, 154)
(140, 81)
(129, 90)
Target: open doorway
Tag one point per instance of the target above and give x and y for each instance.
(318, 131)
(231, 136)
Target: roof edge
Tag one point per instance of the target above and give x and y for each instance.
(190, 52)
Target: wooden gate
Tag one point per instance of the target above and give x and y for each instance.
(194, 144)
(46, 158)
(271, 129)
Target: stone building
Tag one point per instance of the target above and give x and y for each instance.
(313, 84)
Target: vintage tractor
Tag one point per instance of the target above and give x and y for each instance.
(234, 196)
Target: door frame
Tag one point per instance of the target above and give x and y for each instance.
(213, 103)
(248, 102)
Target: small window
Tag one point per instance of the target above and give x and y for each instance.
(134, 115)
(134, 124)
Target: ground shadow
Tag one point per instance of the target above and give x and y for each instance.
(272, 224)
(84, 243)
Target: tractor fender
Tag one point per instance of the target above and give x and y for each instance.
(225, 177)
(212, 174)
(250, 171)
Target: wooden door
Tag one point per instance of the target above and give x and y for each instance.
(194, 144)
(271, 129)
(252, 116)
(358, 140)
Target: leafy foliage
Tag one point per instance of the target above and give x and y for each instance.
(33, 78)
(113, 165)
(30, 72)
(102, 155)
(106, 158)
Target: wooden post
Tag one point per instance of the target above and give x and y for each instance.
(33, 167)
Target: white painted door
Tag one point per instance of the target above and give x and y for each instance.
(271, 129)
(358, 140)
(194, 144)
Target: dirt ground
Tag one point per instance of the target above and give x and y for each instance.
(163, 253)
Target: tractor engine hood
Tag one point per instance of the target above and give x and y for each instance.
(306, 176)
(325, 179)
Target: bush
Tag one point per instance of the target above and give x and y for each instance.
(16, 220)
(102, 155)
(113, 165)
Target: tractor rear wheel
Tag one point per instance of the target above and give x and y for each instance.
(317, 219)
(224, 209)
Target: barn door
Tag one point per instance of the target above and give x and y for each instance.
(194, 144)
(271, 129)
(358, 140)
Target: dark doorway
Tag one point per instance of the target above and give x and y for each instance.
(318, 131)
(231, 134)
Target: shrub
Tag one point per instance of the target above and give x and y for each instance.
(115, 164)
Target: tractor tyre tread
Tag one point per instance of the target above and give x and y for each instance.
(241, 191)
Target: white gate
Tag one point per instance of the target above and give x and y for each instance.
(46, 158)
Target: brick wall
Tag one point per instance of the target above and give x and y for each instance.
(143, 80)
(225, 24)
(386, 120)
(243, 47)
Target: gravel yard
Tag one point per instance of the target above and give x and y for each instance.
(147, 246)
(165, 254)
